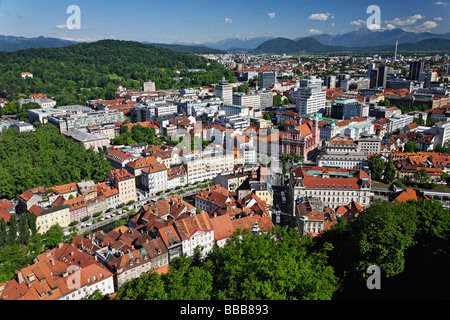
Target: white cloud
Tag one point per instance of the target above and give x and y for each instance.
(439, 19)
(65, 27)
(440, 3)
(358, 22)
(389, 27)
(320, 16)
(271, 15)
(88, 39)
(315, 31)
(61, 27)
(427, 25)
(406, 21)
(228, 20)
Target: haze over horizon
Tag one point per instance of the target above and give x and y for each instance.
(196, 22)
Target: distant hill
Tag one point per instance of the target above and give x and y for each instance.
(365, 37)
(311, 45)
(284, 45)
(11, 43)
(186, 48)
(236, 43)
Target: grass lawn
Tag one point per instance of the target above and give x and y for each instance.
(378, 184)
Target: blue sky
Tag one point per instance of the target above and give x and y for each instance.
(198, 21)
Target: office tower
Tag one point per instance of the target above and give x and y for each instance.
(415, 68)
(309, 97)
(266, 99)
(224, 91)
(370, 67)
(343, 77)
(382, 77)
(447, 69)
(330, 82)
(149, 86)
(267, 79)
(373, 78)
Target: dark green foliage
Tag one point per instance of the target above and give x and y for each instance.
(405, 240)
(389, 172)
(411, 146)
(137, 134)
(376, 166)
(46, 158)
(277, 265)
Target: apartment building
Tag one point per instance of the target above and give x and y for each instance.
(49, 216)
(154, 178)
(224, 91)
(205, 165)
(441, 130)
(195, 231)
(124, 182)
(236, 110)
(247, 99)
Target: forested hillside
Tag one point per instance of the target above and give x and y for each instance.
(45, 158)
(76, 73)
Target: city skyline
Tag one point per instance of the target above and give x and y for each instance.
(199, 22)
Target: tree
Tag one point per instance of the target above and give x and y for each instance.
(401, 239)
(54, 236)
(4, 235)
(96, 296)
(411, 146)
(376, 166)
(184, 281)
(13, 229)
(274, 265)
(421, 176)
(389, 172)
(24, 229)
(277, 101)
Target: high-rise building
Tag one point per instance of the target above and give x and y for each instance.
(330, 82)
(267, 79)
(309, 97)
(378, 77)
(373, 78)
(415, 68)
(266, 99)
(149, 86)
(382, 77)
(224, 91)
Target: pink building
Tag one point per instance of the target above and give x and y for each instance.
(301, 136)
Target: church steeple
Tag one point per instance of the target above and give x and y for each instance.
(255, 229)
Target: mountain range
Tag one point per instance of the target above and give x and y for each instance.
(359, 40)
(362, 37)
(311, 45)
(11, 43)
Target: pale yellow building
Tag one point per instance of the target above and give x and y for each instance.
(125, 182)
(48, 217)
